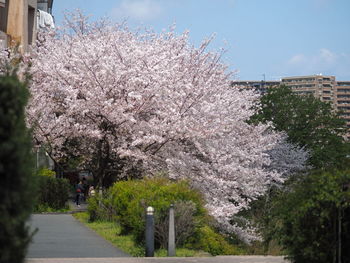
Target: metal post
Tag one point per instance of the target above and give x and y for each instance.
(339, 235)
(150, 232)
(171, 241)
(37, 158)
(100, 192)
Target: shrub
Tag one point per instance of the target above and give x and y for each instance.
(46, 172)
(214, 243)
(53, 193)
(126, 202)
(185, 221)
(16, 168)
(101, 208)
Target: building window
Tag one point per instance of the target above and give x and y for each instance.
(343, 84)
(343, 96)
(344, 90)
(343, 102)
(31, 23)
(3, 16)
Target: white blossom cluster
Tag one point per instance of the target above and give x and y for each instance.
(11, 63)
(155, 98)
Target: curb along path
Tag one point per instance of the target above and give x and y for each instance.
(219, 259)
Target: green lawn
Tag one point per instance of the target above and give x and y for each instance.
(46, 209)
(111, 232)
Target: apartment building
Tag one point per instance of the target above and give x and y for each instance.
(260, 86)
(19, 21)
(326, 88)
(342, 101)
(322, 87)
(45, 5)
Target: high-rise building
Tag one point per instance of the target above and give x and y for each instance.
(326, 88)
(342, 100)
(260, 86)
(322, 87)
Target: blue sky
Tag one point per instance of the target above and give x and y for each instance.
(271, 38)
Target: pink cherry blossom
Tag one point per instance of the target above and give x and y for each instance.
(160, 102)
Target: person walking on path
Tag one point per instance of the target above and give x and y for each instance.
(86, 189)
(79, 190)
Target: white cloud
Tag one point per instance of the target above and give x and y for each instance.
(138, 9)
(327, 56)
(297, 59)
(323, 61)
(323, 58)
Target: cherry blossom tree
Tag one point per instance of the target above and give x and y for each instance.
(152, 101)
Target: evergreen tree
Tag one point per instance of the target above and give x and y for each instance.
(309, 123)
(311, 218)
(15, 171)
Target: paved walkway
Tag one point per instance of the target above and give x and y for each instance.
(62, 236)
(62, 239)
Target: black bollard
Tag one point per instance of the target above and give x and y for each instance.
(150, 232)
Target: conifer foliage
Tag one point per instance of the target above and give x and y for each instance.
(15, 171)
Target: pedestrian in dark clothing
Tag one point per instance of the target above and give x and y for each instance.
(86, 189)
(79, 189)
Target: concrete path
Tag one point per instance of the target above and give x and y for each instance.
(62, 236)
(219, 259)
(62, 239)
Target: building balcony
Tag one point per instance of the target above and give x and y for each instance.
(45, 5)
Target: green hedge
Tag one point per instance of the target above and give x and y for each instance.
(214, 243)
(16, 168)
(126, 202)
(53, 193)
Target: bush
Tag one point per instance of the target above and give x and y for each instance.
(126, 202)
(16, 169)
(53, 193)
(214, 243)
(103, 212)
(185, 223)
(47, 172)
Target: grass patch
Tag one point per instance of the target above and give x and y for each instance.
(42, 208)
(111, 232)
(182, 252)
